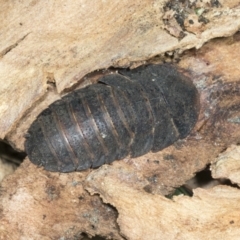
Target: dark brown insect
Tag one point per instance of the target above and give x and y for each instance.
(129, 113)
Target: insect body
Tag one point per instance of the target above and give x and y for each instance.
(130, 113)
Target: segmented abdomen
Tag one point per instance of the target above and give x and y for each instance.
(130, 113)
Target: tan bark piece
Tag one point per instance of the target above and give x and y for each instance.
(41, 205)
(209, 214)
(227, 165)
(6, 168)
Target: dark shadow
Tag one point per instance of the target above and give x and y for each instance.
(8, 154)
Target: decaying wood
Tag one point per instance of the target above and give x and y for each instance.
(227, 165)
(48, 47)
(44, 205)
(6, 168)
(212, 214)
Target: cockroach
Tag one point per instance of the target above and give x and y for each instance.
(125, 114)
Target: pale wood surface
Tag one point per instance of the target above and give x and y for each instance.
(209, 214)
(227, 165)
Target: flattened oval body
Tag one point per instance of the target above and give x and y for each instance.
(129, 113)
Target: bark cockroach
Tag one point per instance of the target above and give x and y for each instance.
(129, 113)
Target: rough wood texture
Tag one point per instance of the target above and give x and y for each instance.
(227, 165)
(47, 43)
(6, 168)
(143, 215)
(43, 205)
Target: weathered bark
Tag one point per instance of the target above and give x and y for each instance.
(6, 168)
(227, 165)
(47, 48)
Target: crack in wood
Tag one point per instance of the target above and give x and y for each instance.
(11, 47)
